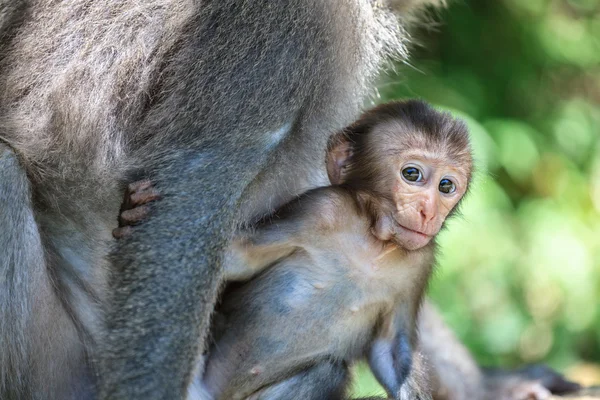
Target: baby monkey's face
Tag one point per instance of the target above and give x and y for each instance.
(423, 187)
(410, 165)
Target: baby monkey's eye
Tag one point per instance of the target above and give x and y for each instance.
(412, 174)
(447, 186)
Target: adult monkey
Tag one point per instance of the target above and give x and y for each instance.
(225, 105)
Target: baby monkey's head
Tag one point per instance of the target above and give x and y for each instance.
(409, 166)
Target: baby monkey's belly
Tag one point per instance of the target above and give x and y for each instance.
(283, 322)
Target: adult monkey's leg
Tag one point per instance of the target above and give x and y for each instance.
(326, 380)
(454, 373)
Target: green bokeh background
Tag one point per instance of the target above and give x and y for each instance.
(519, 271)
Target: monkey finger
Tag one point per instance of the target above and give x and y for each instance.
(133, 216)
(132, 189)
(121, 232)
(143, 197)
(139, 185)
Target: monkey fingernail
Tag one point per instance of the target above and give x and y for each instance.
(144, 197)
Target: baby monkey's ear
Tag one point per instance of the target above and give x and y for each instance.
(339, 156)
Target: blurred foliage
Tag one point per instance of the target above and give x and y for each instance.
(519, 271)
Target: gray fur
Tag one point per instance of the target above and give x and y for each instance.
(193, 95)
(94, 94)
(12, 12)
(325, 380)
(33, 362)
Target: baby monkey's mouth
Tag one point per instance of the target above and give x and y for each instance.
(398, 224)
(408, 238)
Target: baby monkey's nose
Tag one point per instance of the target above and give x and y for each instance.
(427, 210)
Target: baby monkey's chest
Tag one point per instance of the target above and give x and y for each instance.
(372, 281)
(340, 308)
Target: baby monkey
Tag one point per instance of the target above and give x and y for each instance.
(340, 272)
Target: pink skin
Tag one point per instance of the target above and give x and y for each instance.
(419, 208)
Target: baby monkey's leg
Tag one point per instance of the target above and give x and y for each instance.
(134, 207)
(326, 380)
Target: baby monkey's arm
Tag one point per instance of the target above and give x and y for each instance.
(254, 249)
(250, 251)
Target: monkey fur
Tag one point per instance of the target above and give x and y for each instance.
(339, 287)
(345, 276)
(225, 105)
(217, 102)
